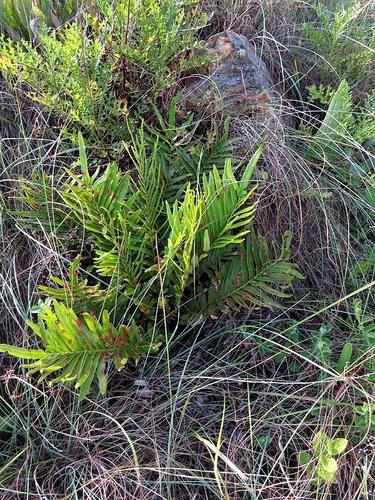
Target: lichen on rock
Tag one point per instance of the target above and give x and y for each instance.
(238, 81)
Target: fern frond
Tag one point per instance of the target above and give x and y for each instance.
(78, 349)
(253, 279)
(77, 292)
(150, 182)
(182, 163)
(179, 256)
(207, 220)
(107, 208)
(227, 214)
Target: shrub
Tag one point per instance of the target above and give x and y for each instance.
(70, 75)
(338, 140)
(155, 35)
(343, 37)
(91, 74)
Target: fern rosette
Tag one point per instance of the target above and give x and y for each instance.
(161, 254)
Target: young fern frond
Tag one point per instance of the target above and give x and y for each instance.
(180, 256)
(206, 221)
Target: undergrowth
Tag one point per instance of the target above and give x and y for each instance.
(191, 297)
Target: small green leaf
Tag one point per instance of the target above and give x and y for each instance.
(337, 446)
(345, 357)
(249, 170)
(327, 468)
(303, 458)
(320, 443)
(206, 241)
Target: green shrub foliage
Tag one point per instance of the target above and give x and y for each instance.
(91, 73)
(343, 38)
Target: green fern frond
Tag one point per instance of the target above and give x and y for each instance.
(253, 279)
(227, 213)
(106, 207)
(206, 221)
(180, 155)
(184, 220)
(77, 292)
(150, 182)
(77, 349)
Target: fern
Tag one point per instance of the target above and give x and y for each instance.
(77, 292)
(184, 220)
(343, 38)
(206, 222)
(151, 182)
(200, 256)
(106, 207)
(226, 207)
(182, 157)
(79, 348)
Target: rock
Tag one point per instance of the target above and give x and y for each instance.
(140, 383)
(238, 81)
